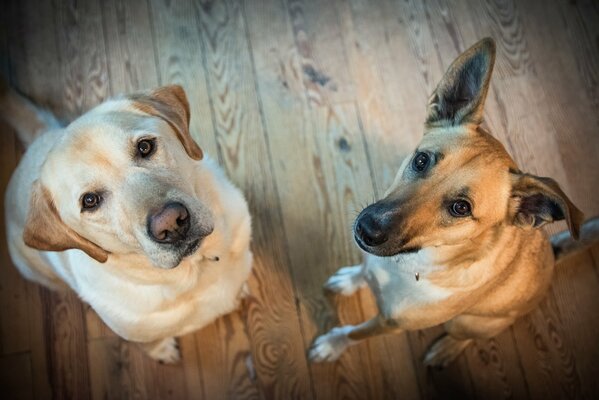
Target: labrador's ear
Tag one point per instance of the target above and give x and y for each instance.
(44, 230)
(536, 201)
(460, 96)
(170, 103)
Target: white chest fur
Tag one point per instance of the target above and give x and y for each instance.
(394, 284)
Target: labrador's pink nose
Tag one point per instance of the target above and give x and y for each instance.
(170, 224)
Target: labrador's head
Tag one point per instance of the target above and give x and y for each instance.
(123, 179)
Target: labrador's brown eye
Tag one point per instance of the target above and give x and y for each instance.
(145, 147)
(460, 208)
(90, 201)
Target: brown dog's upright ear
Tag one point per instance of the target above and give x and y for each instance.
(460, 96)
(170, 103)
(44, 230)
(536, 201)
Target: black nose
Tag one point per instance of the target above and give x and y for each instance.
(170, 224)
(370, 231)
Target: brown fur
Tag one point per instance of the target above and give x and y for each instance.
(170, 103)
(44, 230)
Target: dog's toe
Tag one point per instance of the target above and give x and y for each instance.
(346, 281)
(444, 351)
(330, 346)
(165, 351)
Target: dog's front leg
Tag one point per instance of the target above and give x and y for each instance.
(330, 346)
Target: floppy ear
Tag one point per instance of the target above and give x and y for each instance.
(170, 103)
(44, 230)
(460, 96)
(536, 201)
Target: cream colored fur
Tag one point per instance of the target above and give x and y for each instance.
(143, 291)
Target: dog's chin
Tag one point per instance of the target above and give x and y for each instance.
(385, 250)
(172, 259)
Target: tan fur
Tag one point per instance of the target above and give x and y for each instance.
(476, 273)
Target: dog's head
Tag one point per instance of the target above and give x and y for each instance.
(460, 181)
(123, 179)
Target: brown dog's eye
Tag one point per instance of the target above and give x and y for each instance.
(460, 208)
(90, 201)
(145, 147)
(421, 161)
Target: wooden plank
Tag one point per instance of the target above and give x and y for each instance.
(15, 376)
(38, 343)
(383, 42)
(13, 296)
(563, 63)
(13, 316)
(129, 46)
(223, 356)
(575, 288)
(116, 370)
(64, 327)
(80, 42)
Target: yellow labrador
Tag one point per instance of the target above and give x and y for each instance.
(122, 207)
(455, 240)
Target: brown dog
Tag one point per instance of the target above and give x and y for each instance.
(455, 240)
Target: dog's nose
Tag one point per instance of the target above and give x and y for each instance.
(170, 224)
(370, 231)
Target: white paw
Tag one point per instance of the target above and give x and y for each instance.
(346, 280)
(244, 292)
(330, 346)
(165, 351)
(444, 351)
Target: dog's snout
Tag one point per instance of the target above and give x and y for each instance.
(170, 224)
(370, 231)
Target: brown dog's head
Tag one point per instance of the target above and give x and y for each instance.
(460, 181)
(124, 179)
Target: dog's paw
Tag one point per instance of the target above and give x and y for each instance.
(165, 351)
(244, 292)
(346, 280)
(330, 346)
(444, 351)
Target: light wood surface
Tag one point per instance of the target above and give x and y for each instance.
(310, 106)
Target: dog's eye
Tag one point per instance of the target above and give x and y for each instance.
(421, 161)
(460, 208)
(145, 147)
(90, 201)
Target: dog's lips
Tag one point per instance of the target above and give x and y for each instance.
(192, 247)
(384, 251)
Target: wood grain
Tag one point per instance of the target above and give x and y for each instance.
(310, 106)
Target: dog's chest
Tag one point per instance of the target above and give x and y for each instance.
(400, 284)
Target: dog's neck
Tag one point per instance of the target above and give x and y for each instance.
(473, 261)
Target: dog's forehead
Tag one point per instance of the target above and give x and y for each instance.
(459, 145)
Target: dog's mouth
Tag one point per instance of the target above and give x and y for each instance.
(387, 249)
(191, 248)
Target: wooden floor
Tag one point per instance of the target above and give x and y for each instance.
(310, 106)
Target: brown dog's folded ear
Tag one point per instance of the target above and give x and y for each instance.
(170, 103)
(536, 201)
(460, 96)
(44, 230)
